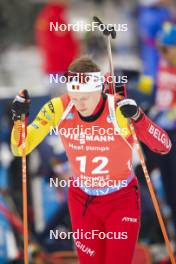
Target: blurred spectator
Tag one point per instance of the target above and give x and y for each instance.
(9, 250)
(59, 48)
(5, 153)
(151, 15)
(164, 111)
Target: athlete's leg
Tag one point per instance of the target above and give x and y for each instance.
(90, 251)
(124, 221)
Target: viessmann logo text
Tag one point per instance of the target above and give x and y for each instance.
(93, 133)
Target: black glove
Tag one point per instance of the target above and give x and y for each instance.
(20, 105)
(130, 109)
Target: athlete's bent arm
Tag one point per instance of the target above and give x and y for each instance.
(152, 135)
(146, 130)
(46, 119)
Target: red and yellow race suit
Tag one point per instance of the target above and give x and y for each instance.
(98, 153)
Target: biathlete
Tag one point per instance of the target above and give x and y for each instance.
(105, 206)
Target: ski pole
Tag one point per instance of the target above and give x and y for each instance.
(24, 190)
(112, 34)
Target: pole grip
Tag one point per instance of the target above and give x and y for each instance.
(107, 31)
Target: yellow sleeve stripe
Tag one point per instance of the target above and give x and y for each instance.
(47, 118)
(123, 123)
